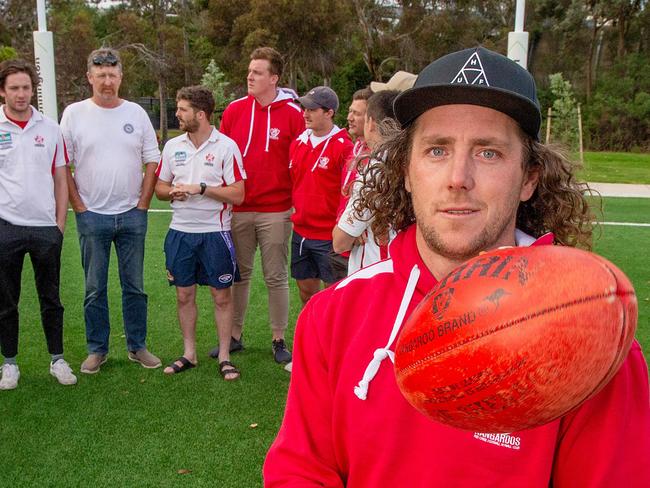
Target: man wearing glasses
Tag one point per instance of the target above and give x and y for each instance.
(109, 139)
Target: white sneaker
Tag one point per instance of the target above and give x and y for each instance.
(62, 372)
(287, 367)
(10, 376)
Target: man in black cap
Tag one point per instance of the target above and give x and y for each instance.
(318, 158)
(464, 174)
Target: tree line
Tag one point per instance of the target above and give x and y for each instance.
(601, 47)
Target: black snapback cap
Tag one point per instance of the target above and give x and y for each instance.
(475, 76)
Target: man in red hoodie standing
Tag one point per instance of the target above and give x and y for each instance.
(263, 124)
(318, 159)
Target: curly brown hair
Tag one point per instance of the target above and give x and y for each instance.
(558, 205)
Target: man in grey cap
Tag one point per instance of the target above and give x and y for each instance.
(466, 173)
(318, 158)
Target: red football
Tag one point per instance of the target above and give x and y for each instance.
(516, 338)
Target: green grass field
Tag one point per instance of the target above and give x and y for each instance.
(128, 426)
(611, 167)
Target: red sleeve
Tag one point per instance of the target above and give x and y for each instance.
(606, 442)
(302, 455)
(299, 126)
(224, 126)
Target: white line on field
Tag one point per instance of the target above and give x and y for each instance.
(629, 224)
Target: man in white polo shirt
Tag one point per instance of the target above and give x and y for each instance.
(33, 205)
(109, 139)
(201, 172)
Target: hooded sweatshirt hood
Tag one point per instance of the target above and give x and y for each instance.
(316, 173)
(263, 135)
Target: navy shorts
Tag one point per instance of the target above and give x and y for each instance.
(310, 259)
(206, 258)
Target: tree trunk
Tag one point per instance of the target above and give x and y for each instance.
(590, 61)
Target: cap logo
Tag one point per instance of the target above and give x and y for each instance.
(472, 72)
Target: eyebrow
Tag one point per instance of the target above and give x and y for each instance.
(434, 140)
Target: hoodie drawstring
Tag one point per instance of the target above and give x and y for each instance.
(268, 128)
(250, 130)
(321, 153)
(361, 390)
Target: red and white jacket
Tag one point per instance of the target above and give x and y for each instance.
(330, 437)
(316, 178)
(264, 135)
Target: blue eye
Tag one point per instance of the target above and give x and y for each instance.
(437, 152)
(488, 154)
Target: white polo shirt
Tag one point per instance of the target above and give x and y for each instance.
(27, 160)
(369, 252)
(217, 162)
(108, 147)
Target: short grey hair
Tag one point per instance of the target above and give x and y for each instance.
(104, 52)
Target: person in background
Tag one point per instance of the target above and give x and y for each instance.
(109, 139)
(317, 159)
(201, 173)
(353, 232)
(33, 211)
(356, 117)
(263, 124)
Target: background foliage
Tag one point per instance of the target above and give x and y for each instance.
(599, 46)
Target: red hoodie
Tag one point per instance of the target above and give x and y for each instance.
(330, 437)
(264, 135)
(316, 177)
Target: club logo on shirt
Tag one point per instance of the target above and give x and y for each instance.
(274, 133)
(323, 162)
(209, 159)
(5, 140)
(502, 440)
(180, 156)
(39, 141)
(128, 128)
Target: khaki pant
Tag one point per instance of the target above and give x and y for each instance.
(271, 231)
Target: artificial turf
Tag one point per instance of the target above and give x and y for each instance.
(128, 426)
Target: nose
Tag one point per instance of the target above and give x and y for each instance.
(249, 77)
(350, 118)
(460, 171)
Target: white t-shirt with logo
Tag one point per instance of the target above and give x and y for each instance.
(27, 159)
(108, 147)
(217, 162)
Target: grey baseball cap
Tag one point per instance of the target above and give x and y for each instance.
(320, 97)
(475, 76)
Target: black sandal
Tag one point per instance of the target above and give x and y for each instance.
(185, 365)
(232, 370)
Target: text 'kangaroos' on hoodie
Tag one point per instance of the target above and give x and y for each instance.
(264, 135)
(316, 177)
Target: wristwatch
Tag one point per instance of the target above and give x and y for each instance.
(203, 187)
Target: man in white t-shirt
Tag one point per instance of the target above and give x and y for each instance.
(201, 172)
(109, 139)
(33, 206)
(352, 232)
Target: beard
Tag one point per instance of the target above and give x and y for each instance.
(189, 126)
(486, 239)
